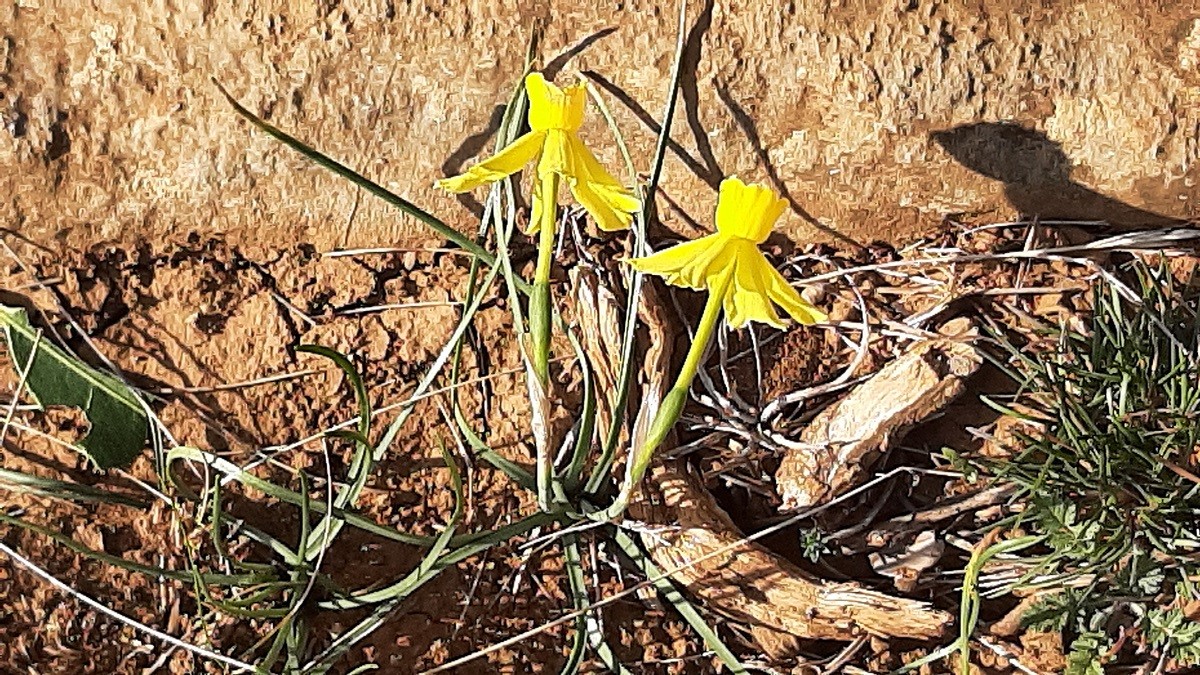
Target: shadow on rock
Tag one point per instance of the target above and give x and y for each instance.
(1037, 176)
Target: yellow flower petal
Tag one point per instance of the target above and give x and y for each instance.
(554, 108)
(537, 198)
(505, 163)
(729, 263)
(747, 211)
(622, 197)
(685, 264)
(586, 163)
(610, 204)
(787, 297)
(555, 115)
(556, 154)
(747, 298)
(599, 207)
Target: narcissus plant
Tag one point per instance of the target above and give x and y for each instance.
(555, 116)
(739, 280)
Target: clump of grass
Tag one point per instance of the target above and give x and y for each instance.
(1106, 473)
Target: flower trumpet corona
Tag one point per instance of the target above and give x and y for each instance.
(555, 116)
(738, 279)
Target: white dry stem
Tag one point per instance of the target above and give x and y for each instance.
(21, 381)
(400, 305)
(245, 384)
(344, 252)
(772, 410)
(1157, 241)
(268, 454)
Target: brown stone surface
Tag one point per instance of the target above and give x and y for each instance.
(112, 131)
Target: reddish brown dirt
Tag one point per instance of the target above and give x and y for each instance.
(190, 318)
(183, 321)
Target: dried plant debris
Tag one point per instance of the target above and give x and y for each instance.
(598, 316)
(688, 532)
(835, 450)
(906, 566)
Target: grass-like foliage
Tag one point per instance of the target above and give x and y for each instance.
(1106, 475)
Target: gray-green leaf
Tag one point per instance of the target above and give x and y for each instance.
(117, 418)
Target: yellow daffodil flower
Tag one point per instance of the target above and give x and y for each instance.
(555, 116)
(739, 280)
(729, 263)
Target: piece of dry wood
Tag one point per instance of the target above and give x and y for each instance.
(749, 583)
(835, 450)
(598, 316)
(599, 311)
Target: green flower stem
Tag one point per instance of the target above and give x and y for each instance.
(539, 297)
(672, 404)
(539, 324)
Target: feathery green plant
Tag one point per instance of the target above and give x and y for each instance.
(1106, 471)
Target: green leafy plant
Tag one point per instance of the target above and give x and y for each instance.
(567, 493)
(814, 543)
(1172, 631)
(54, 377)
(577, 486)
(1106, 470)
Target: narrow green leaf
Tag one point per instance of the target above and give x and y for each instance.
(645, 215)
(587, 628)
(117, 561)
(579, 600)
(515, 472)
(232, 471)
(423, 574)
(969, 604)
(432, 557)
(22, 482)
(586, 426)
(462, 241)
(364, 459)
(672, 595)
